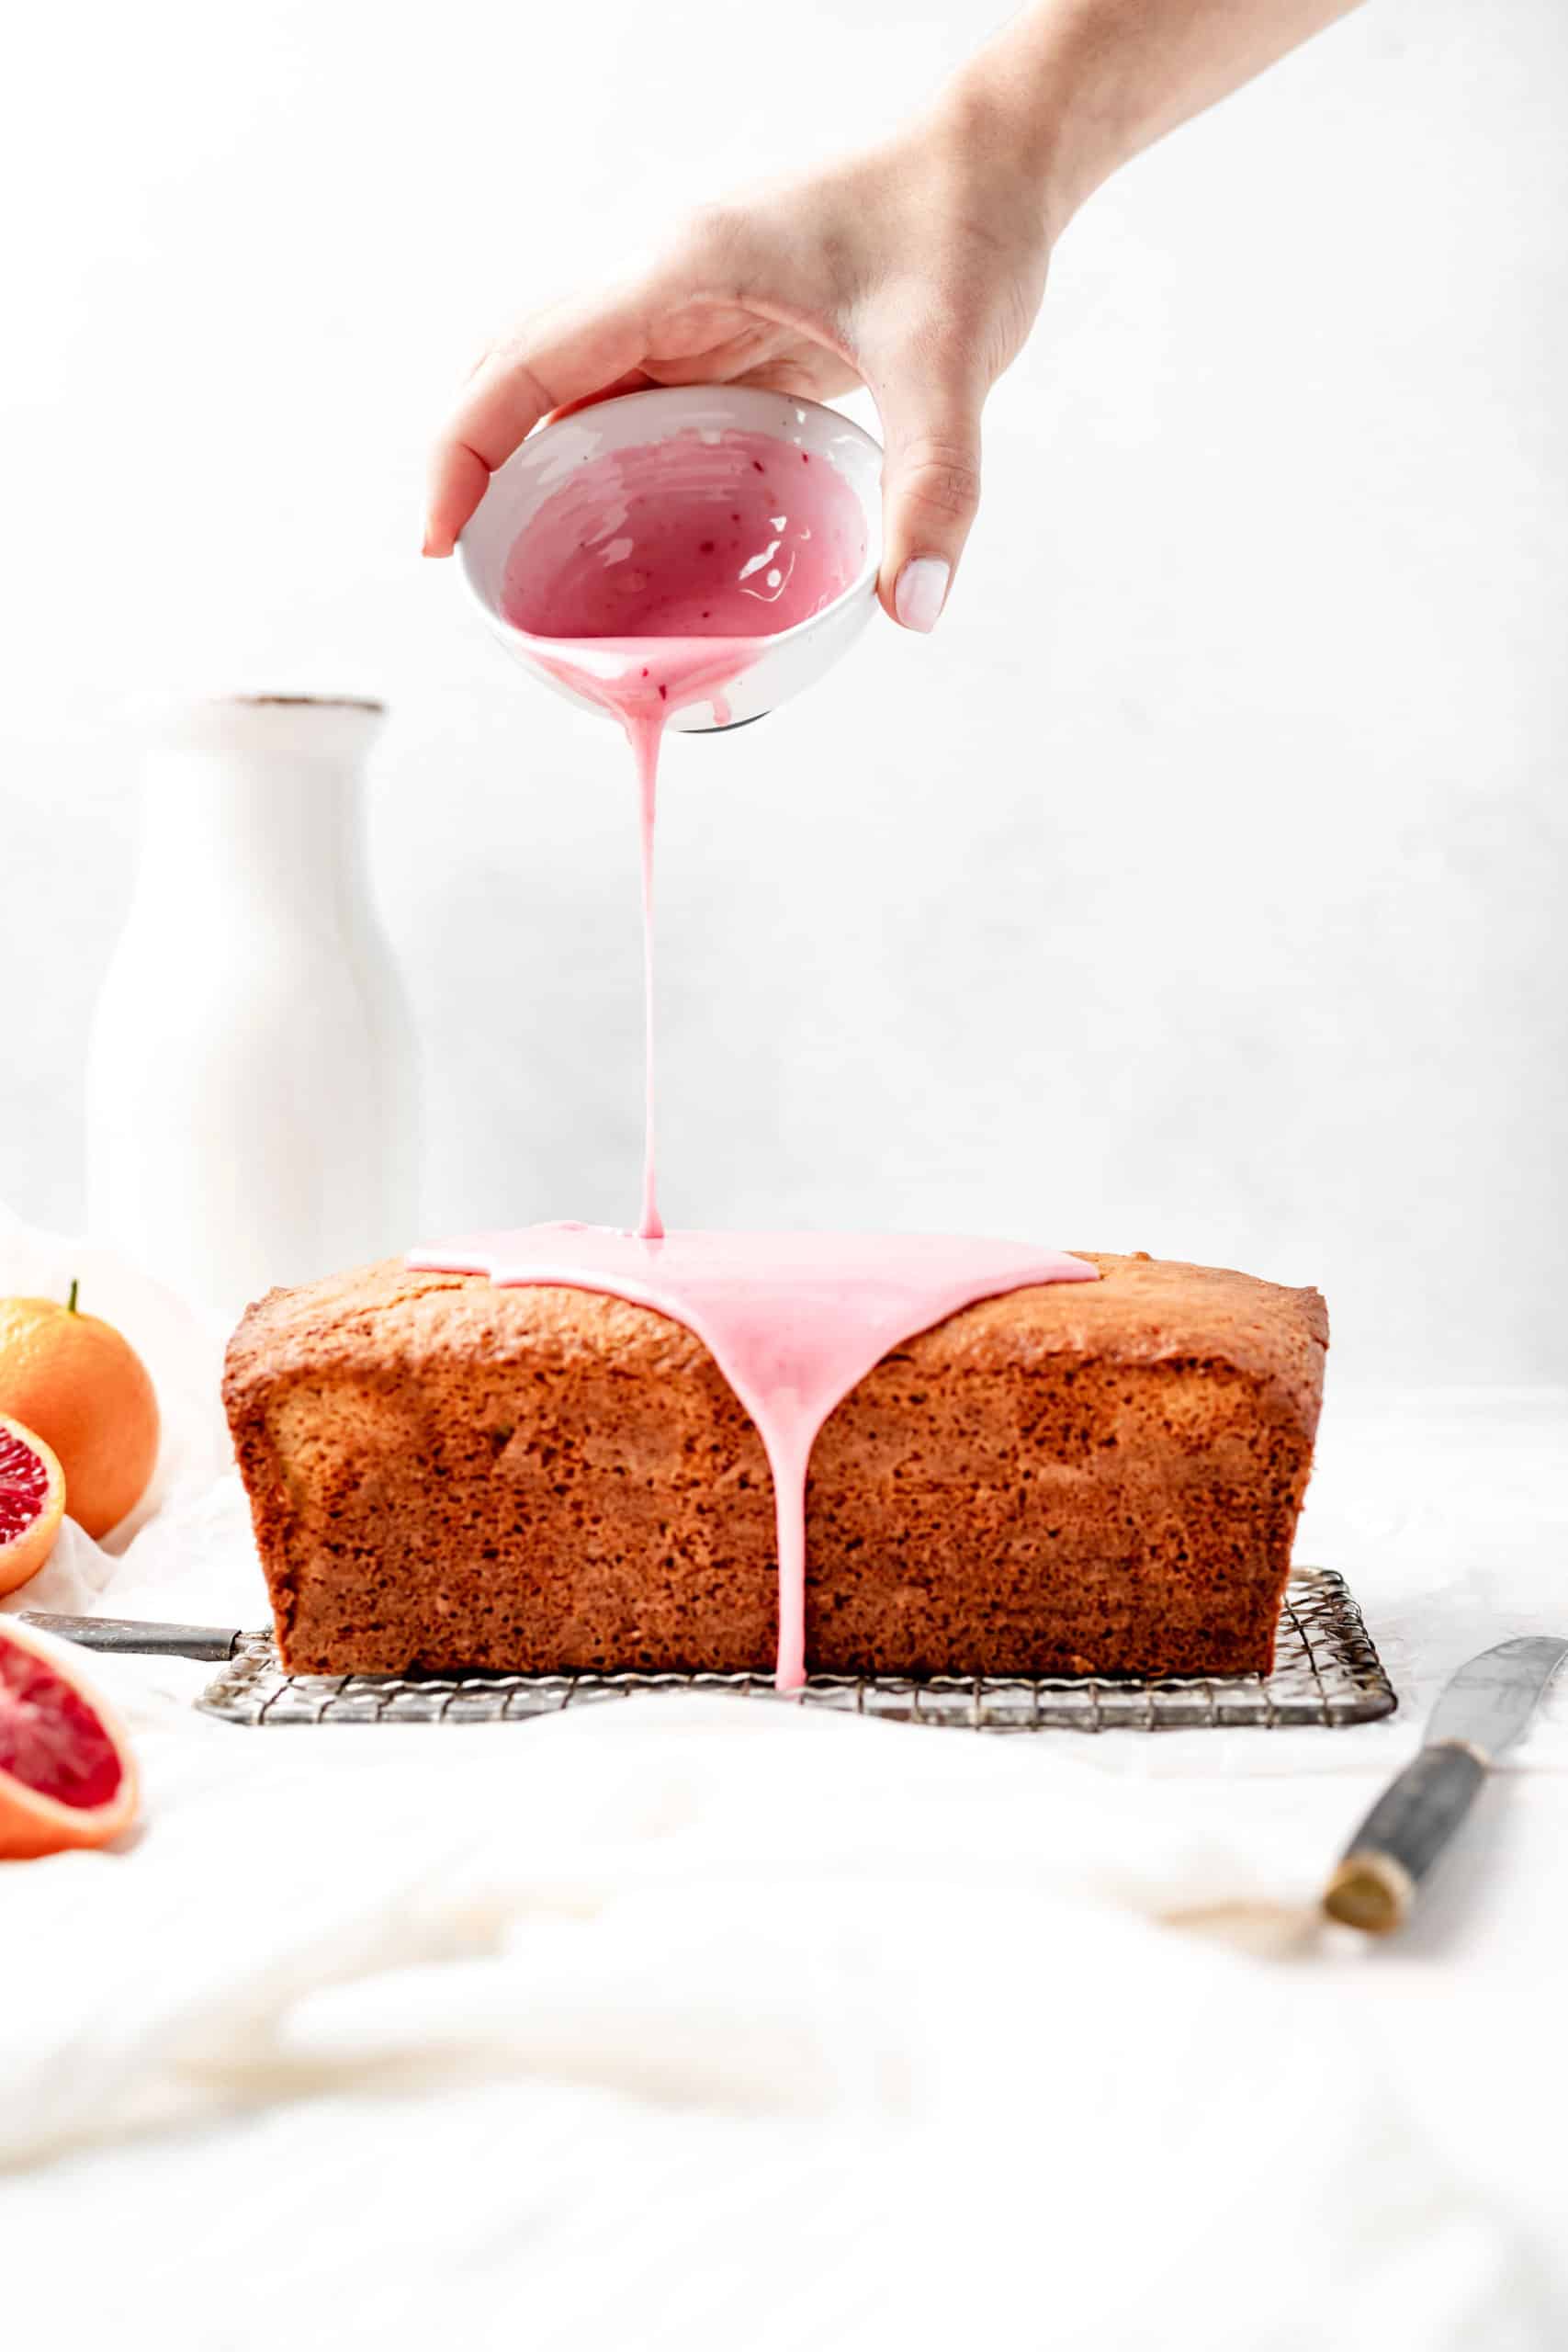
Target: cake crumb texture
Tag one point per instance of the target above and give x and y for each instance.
(447, 1474)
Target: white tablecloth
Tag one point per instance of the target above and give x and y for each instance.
(698, 2023)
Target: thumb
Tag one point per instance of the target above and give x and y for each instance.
(931, 488)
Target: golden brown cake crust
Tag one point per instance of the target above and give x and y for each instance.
(445, 1472)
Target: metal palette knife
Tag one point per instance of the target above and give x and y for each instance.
(1483, 1712)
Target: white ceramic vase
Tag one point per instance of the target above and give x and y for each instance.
(251, 1097)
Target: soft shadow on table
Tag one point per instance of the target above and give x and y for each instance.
(1465, 1887)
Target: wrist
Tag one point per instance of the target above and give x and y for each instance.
(982, 141)
(1073, 89)
(1030, 105)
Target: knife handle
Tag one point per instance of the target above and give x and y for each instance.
(1383, 1865)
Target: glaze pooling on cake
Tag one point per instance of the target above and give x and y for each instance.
(792, 1320)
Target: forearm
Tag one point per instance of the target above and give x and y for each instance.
(914, 267)
(1072, 89)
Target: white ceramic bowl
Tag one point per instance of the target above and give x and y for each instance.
(793, 659)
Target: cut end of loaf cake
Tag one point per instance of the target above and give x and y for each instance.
(1100, 1476)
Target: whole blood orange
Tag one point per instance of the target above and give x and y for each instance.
(86, 1392)
(32, 1496)
(67, 1777)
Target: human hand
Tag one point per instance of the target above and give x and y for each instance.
(915, 269)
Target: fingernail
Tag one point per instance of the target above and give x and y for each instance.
(921, 591)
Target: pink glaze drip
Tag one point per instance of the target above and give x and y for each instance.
(649, 581)
(645, 736)
(794, 1321)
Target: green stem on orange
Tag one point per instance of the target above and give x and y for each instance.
(70, 1302)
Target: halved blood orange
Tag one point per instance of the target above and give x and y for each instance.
(67, 1776)
(32, 1496)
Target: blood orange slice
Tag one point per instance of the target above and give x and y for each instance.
(67, 1777)
(32, 1496)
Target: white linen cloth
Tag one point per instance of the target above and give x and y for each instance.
(690, 2022)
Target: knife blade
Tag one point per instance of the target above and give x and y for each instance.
(138, 1637)
(1483, 1709)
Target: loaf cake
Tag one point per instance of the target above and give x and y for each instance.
(1104, 1476)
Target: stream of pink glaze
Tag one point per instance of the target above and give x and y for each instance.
(647, 582)
(792, 1320)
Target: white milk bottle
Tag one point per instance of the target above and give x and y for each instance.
(251, 1106)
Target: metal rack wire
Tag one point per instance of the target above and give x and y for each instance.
(1326, 1672)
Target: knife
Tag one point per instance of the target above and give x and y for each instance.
(137, 1637)
(1483, 1709)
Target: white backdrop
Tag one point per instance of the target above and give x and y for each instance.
(1196, 887)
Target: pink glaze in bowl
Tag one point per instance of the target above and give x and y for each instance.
(493, 550)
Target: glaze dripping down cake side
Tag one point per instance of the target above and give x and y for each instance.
(1106, 1475)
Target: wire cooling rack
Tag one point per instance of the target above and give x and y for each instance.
(1325, 1672)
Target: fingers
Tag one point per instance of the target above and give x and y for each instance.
(929, 405)
(636, 380)
(567, 355)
